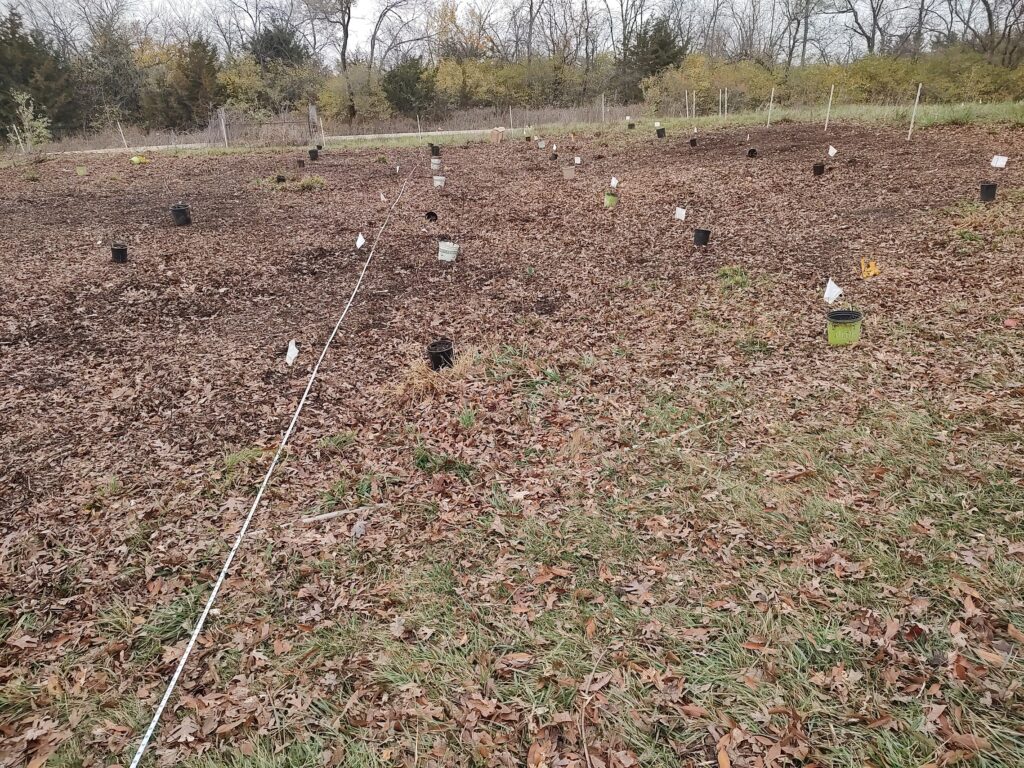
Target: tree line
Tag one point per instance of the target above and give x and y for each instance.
(77, 65)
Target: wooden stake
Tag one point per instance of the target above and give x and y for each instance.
(223, 127)
(771, 101)
(323, 136)
(828, 113)
(686, 97)
(913, 115)
(123, 140)
(726, 103)
(695, 103)
(419, 128)
(511, 125)
(18, 134)
(719, 102)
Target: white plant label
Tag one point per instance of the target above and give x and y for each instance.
(360, 241)
(657, 124)
(748, 138)
(398, 169)
(832, 292)
(695, 130)
(615, 183)
(680, 214)
(554, 147)
(293, 352)
(577, 161)
(999, 161)
(627, 118)
(832, 151)
(382, 198)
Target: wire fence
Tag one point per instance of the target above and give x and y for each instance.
(233, 128)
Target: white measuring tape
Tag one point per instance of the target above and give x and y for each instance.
(147, 737)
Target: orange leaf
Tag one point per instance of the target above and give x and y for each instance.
(723, 759)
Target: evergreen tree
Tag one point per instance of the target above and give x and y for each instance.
(654, 49)
(409, 87)
(28, 65)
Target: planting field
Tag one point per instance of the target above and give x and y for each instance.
(649, 518)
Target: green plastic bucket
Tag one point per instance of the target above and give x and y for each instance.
(844, 326)
(610, 199)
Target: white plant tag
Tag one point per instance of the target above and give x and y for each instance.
(680, 214)
(657, 124)
(615, 183)
(293, 352)
(832, 292)
(382, 198)
(398, 169)
(627, 118)
(360, 241)
(999, 161)
(832, 151)
(695, 130)
(554, 147)
(578, 161)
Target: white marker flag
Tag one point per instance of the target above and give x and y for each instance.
(293, 352)
(577, 160)
(999, 161)
(360, 241)
(680, 214)
(832, 151)
(832, 292)
(615, 183)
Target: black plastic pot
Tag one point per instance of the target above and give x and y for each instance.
(819, 169)
(554, 155)
(300, 163)
(751, 152)
(314, 154)
(119, 253)
(280, 179)
(701, 236)
(431, 216)
(319, 146)
(631, 126)
(441, 353)
(435, 150)
(988, 192)
(182, 214)
(660, 132)
(693, 141)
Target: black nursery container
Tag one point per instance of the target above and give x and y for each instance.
(119, 253)
(988, 192)
(701, 236)
(182, 214)
(441, 353)
(314, 154)
(693, 141)
(751, 152)
(660, 133)
(435, 150)
(819, 169)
